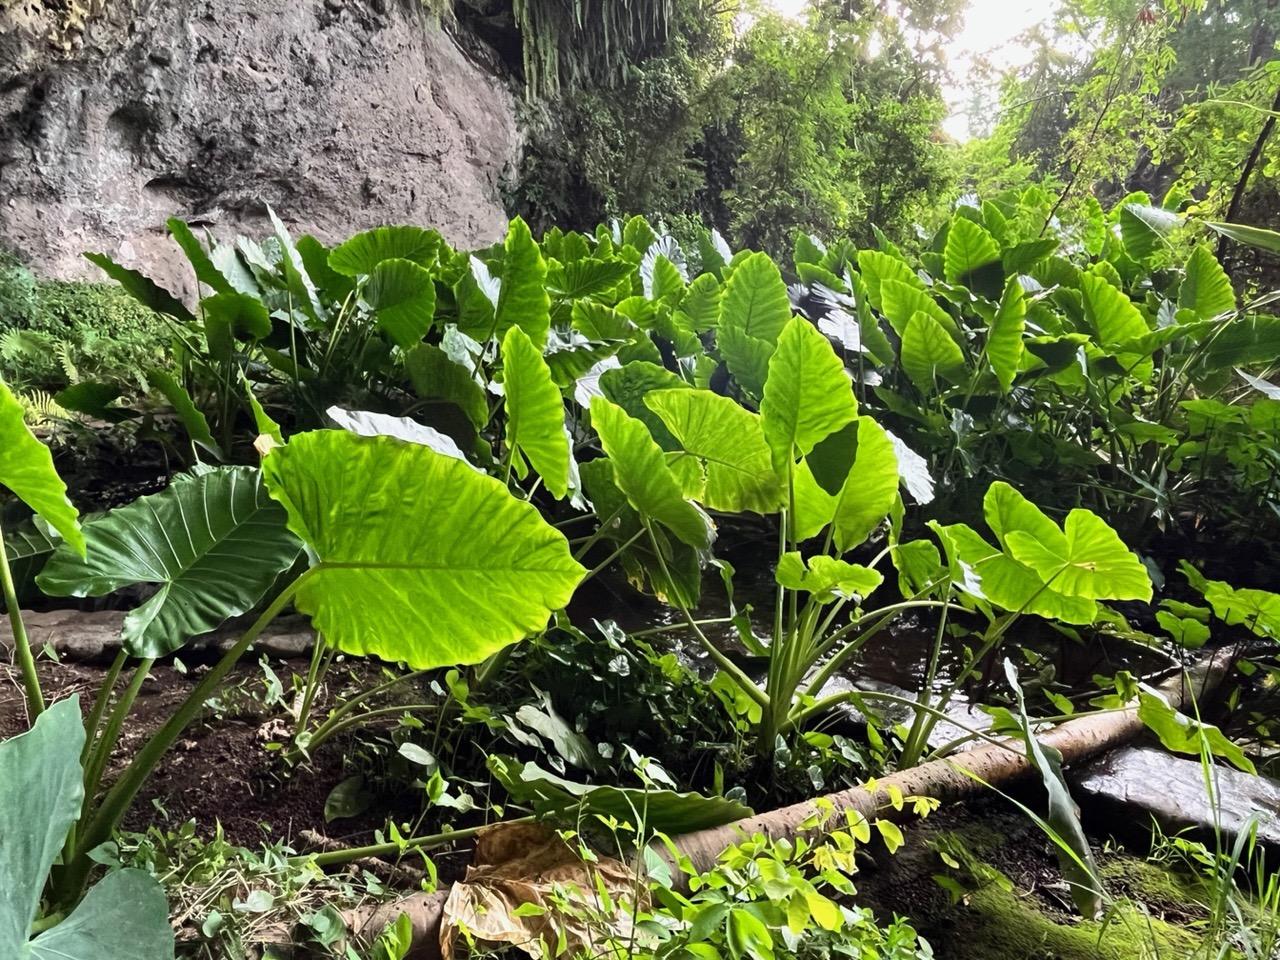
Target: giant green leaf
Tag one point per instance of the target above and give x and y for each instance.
(807, 395)
(676, 578)
(929, 354)
(876, 267)
(641, 472)
(589, 277)
(595, 321)
(192, 417)
(1095, 565)
(755, 301)
(662, 810)
(535, 411)
(360, 255)
(369, 424)
(205, 270)
(1143, 229)
(143, 289)
(315, 260)
(864, 496)
(1182, 734)
(870, 489)
(699, 311)
(1206, 289)
(1021, 257)
(630, 384)
(302, 289)
(903, 301)
(997, 577)
(1242, 342)
(416, 557)
(229, 317)
(26, 469)
(1112, 316)
(1262, 239)
(1005, 348)
(570, 355)
(29, 545)
(730, 445)
(1005, 509)
(436, 377)
(403, 297)
(523, 300)
(969, 248)
(746, 357)
(124, 917)
(40, 786)
(871, 336)
(214, 544)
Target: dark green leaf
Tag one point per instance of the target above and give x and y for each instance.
(213, 544)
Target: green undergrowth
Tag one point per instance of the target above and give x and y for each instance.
(1009, 925)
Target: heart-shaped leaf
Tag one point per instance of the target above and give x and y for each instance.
(641, 472)
(729, 444)
(826, 577)
(1096, 565)
(417, 558)
(807, 395)
(523, 300)
(755, 302)
(363, 252)
(535, 411)
(214, 544)
(403, 297)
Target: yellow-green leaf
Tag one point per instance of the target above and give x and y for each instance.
(535, 411)
(26, 469)
(417, 557)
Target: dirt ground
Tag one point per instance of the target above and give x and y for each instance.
(220, 771)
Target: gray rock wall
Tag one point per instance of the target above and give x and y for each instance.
(340, 114)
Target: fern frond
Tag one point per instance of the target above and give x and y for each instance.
(40, 409)
(63, 351)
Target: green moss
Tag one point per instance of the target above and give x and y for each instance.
(1152, 884)
(996, 924)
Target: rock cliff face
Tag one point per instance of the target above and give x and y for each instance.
(339, 114)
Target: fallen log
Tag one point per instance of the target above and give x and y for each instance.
(948, 780)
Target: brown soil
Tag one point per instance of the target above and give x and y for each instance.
(220, 771)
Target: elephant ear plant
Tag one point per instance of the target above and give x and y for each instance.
(125, 915)
(830, 475)
(26, 470)
(413, 556)
(41, 783)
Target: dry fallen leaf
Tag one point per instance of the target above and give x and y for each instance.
(529, 865)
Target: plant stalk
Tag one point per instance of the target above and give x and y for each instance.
(21, 645)
(74, 874)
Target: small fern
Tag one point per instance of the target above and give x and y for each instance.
(39, 409)
(63, 350)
